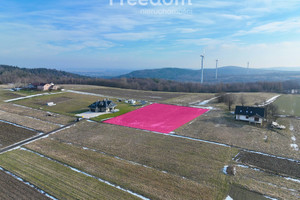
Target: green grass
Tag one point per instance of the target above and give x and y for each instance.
(71, 104)
(288, 105)
(123, 108)
(56, 179)
(66, 103)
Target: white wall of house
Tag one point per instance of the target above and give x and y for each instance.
(249, 119)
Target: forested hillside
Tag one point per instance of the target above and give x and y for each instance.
(228, 74)
(12, 74)
(23, 76)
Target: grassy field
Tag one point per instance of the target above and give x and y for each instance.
(36, 124)
(194, 160)
(66, 103)
(265, 183)
(126, 93)
(251, 99)
(149, 182)
(6, 94)
(188, 99)
(11, 188)
(220, 126)
(288, 105)
(123, 108)
(70, 104)
(56, 179)
(10, 134)
(38, 114)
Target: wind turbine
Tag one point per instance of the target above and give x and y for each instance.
(217, 69)
(202, 58)
(248, 67)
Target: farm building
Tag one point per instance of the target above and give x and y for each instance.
(102, 106)
(42, 86)
(250, 114)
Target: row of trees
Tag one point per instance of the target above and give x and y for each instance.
(10, 74)
(271, 110)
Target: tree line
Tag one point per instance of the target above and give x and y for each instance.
(22, 76)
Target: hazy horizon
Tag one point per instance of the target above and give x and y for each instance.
(107, 34)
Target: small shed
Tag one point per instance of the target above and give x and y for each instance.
(51, 104)
(251, 114)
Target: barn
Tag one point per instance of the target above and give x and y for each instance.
(250, 114)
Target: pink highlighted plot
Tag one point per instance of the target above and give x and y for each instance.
(158, 117)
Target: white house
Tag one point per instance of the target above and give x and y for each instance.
(250, 114)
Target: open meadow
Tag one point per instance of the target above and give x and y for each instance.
(57, 179)
(70, 104)
(289, 105)
(220, 126)
(36, 114)
(11, 188)
(153, 96)
(77, 162)
(149, 182)
(195, 161)
(10, 134)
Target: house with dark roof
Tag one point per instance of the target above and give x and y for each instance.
(102, 106)
(251, 114)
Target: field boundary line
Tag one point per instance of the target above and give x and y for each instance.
(209, 142)
(20, 126)
(88, 93)
(31, 96)
(119, 158)
(28, 183)
(86, 174)
(34, 138)
(48, 122)
(255, 168)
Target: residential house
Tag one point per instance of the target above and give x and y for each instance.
(251, 114)
(42, 86)
(102, 106)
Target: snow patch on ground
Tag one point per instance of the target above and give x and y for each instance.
(89, 175)
(30, 96)
(225, 169)
(17, 125)
(291, 127)
(29, 184)
(228, 198)
(270, 197)
(295, 147)
(269, 101)
(206, 101)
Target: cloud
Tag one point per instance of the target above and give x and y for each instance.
(273, 27)
(134, 36)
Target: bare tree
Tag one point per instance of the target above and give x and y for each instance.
(243, 100)
(271, 112)
(229, 100)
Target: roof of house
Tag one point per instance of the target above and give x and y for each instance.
(250, 111)
(103, 104)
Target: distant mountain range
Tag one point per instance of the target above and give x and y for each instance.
(226, 74)
(229, 74)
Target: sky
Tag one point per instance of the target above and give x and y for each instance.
(139, 34)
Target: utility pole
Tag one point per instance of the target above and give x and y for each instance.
(202, 58)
